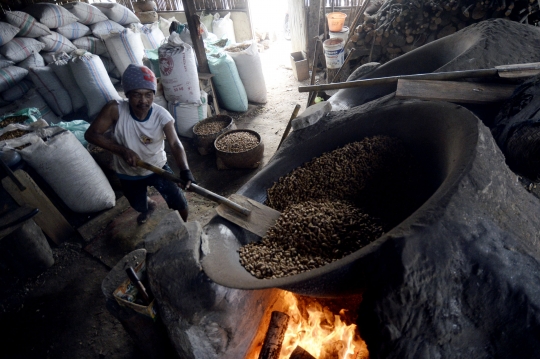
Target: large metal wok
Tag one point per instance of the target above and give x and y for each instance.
(442, 136)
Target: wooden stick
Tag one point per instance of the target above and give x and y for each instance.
(288, 128)
(301, 353)
(312, 95)
(393, 79)
(344, 63)
(274, 336)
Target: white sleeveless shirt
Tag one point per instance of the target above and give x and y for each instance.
(146, 138)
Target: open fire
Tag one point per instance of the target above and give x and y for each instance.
(313, 328)
(320, 332)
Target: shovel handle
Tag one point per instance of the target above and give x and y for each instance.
(195, 188)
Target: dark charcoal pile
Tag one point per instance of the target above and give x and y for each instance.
(322, 203)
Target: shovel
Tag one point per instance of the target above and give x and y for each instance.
(240, 210)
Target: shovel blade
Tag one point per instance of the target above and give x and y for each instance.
(259, 221)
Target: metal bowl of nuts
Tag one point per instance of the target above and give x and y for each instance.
(239, 149)
(330, 246)
(206, 131)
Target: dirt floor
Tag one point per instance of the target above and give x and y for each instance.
(61, 313)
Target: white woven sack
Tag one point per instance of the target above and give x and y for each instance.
(7, 32)
(18, 91)
(178, 68)
(69, 169)
(147, 17)
(187, 115)
(74, 31)
(34, 99)
(125, 48)
(49, 57)
(91, 44)
(9, 76)
(51, 15)
(151, 35)
(93, 80)
(20, 48)
(57, 43)
(28, 26)
(164, 25)
(33, 60)
(51, 89)
(117, 13)
(160, 100)
(6, 63)
(207, 21)
(248, 63)
(231, 92)
(105, 27)
(63, 72)
(223, 27)
(86, 14)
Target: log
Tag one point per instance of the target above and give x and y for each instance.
(300, 353)
(273, 340)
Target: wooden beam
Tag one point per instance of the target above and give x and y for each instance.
(49, 219)
(194, 24)
(454, 91)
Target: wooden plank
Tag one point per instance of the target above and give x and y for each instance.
(518, 70)
(453, 91)
(91, 228)
(49, 219)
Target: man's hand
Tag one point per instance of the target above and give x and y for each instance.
(187, 176)
(130, 157)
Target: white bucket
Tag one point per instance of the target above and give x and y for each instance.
(343, 34)
(333, 52)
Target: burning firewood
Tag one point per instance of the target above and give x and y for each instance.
(274, 336)
(300, 353)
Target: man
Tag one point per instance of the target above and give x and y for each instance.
(139, 128)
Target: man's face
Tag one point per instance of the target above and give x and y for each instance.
(141, 100)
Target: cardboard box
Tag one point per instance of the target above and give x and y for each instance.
(126, 294)
(300, 66)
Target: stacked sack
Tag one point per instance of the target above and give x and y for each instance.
(42, 46)
(180, 81)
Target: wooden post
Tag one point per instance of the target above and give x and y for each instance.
(297, 17)
(194, 24)
(313, 25)
(274, 336)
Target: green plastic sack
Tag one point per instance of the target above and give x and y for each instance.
(153, 61)
(77, 127)
(32, 113)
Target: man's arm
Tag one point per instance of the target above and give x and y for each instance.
(96, 134)
(177, 150)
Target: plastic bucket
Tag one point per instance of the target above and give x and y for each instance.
(343, 34)
(333, 52)
(336, 21)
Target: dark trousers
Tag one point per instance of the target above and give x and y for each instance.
(136, 192)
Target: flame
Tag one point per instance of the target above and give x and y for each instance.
(323, 334)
